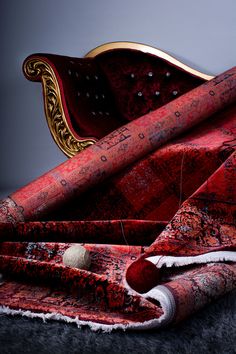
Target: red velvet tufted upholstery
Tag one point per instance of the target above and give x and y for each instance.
(116, 86)
(141, 82)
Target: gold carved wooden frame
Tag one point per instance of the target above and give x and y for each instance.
(37, 69)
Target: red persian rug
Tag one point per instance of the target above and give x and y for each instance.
(155, 204)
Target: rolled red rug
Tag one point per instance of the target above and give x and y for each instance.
(118, 149)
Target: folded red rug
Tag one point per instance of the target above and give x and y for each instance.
(163, 241)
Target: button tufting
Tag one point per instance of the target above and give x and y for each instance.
(93, 113)
(103, 96)
(87, 77)
(107, 113)
(96, 96)
(76, 74)
(175, 93)
(168, 74)
(150, 74)
(100, 113)
(132, 76)
(157, 93)
(87, 94)
(69, 72)
(140, 94)
(78, 94)
(96, 77)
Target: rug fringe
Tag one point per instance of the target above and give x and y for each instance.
(160, 294)
(211, 257)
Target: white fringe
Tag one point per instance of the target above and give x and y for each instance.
(170, 261)
(159, 293)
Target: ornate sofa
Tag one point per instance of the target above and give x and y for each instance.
(86, 98)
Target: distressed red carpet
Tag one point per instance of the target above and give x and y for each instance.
(155, 204)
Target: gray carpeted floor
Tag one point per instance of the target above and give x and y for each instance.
(212, 330)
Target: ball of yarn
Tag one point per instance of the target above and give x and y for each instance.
(77, 256)
(142, 275)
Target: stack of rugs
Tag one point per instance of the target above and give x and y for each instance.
(154, 202)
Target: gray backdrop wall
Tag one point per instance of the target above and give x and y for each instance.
(202, 33)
